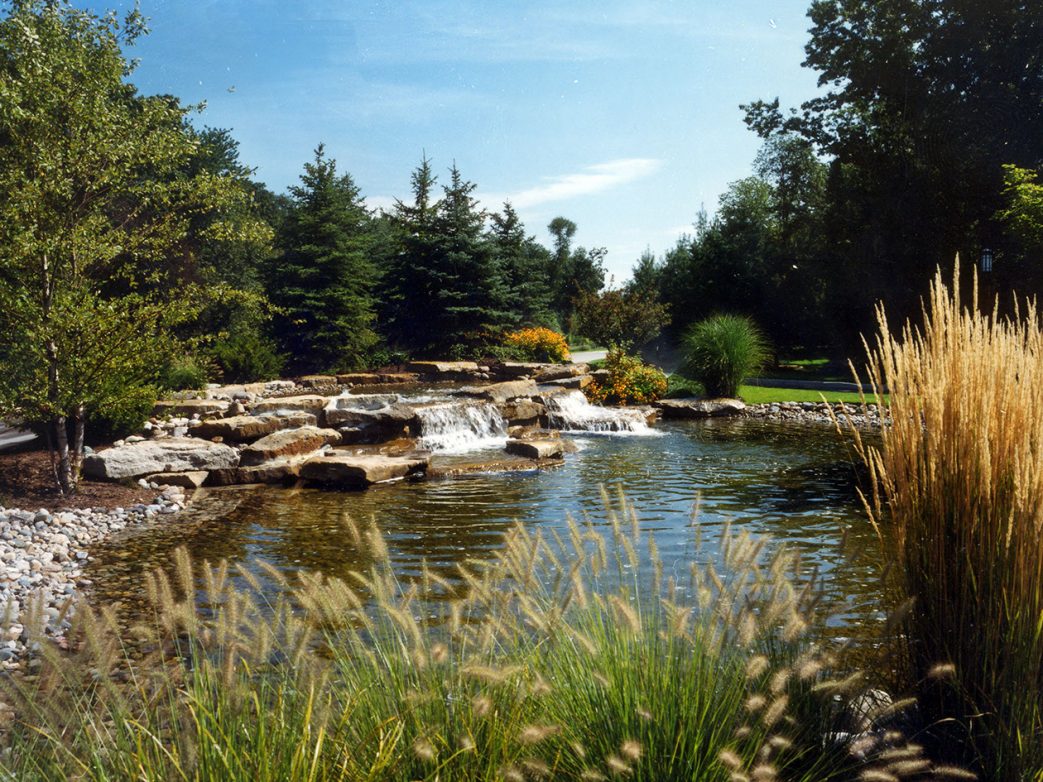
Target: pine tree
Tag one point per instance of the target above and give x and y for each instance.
(526, 269)
(323, 280)
(445, 286)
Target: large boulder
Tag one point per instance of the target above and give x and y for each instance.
(169, 454)
(699, 408)
(189, 407)
(273, 472)
(357, 472)
(369, 418)
(302, 403)
(503, 392)
(287, 443)
(523, 412)
(247, 428)
(536, 449)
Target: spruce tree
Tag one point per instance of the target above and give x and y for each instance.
(322, 281)
(526, 269)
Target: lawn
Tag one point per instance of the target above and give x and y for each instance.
(755, 395)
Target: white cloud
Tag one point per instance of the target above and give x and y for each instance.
(591, 180)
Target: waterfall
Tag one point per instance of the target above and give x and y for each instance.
(456, 427)
(571, 412)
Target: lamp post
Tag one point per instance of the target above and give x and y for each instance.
(986, 260)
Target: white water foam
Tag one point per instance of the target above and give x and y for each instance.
(571, 412)
(458, 427)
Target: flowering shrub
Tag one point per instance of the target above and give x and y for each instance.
(539, 344)
(630, 382)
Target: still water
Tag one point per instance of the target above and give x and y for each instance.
(796, 484)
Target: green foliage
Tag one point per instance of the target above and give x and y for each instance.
(96, 210)
(680, 387)
(246, 355)
(1022, 210)
(721, 351)
(525, 265)
(322, 282)
(630, 381)
(185, 373)
(626, 318)
(117, 421)
(573, 272)
(445, 285)
(611, 672)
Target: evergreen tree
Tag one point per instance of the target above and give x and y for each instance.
(445, 286)
(526, 268)
(322, 281)
(573, 272)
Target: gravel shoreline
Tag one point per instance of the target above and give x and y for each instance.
(816, 413)
(42, 560)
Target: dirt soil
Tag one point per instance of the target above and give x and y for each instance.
(27, 482)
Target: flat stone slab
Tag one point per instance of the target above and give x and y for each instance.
(304, 403)
(503, 392)
(169, 454)
(560, 372)
(189, 407)
(186, 480)
(287, 443)
(518, 369)
(447, 368)
(317, 381)
(247, 428)
(536, 449)
(357, 472)
(576, 382)
(276, 472)
(699, 408)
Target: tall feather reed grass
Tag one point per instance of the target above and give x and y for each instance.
(567, 657)
(958, 477)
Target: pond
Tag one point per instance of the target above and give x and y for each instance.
(796, 484)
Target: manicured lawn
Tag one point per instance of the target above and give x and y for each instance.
(755, 395)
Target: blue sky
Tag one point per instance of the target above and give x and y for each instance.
(620, 115)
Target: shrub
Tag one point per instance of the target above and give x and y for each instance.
(958, 477)
(630, 381)
(246, 356)
(539, 344)
(610, 672)
(620, 317)
(721, 351)
(187, 373)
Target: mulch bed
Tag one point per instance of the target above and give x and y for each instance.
(27, 482)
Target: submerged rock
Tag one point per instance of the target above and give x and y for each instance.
(536, 449)
(356, 472)
(171, 454)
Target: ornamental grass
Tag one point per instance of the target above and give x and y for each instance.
(958, 481)
(566, 658)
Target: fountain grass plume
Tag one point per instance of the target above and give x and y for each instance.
(570, 656)
(958, 479)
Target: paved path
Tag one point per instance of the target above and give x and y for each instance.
(11, 437)
(586, 356)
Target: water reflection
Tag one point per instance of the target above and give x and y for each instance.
(794, 483)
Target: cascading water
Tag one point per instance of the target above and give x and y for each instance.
(456, 427)
(571, 412)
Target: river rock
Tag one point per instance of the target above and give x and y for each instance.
(503, 392)
(699, 408)
(356, 472)
(523, 412)
(171, 454)
(192, 479)
(304, 403)
(287, 443)
(536, 449)
(247, 428)
(189, 407)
